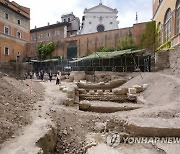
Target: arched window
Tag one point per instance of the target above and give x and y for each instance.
(167, 25)
(178, 16)
(100, 28)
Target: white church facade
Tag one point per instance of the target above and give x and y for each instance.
(98, 19)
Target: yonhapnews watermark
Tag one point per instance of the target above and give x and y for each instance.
(114, 139)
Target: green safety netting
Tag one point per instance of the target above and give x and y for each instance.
(108, 55)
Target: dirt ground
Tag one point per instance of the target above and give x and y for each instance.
(16, 102)
(35, 115)
(161, 102)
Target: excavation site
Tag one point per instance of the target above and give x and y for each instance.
(121, 113)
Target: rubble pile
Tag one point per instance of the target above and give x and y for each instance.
(15, 104)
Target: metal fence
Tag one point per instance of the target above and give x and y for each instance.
(125, 63)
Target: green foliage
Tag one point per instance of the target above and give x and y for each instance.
(45, 50)
(88, 52)
(106, 49)
(125, 43)
(147, 39)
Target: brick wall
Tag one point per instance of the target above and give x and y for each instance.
(91, 42)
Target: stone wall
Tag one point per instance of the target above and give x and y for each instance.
(162, 60)
(168, 60)
(14, 69)
(174, 59)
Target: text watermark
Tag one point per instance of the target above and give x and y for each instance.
(114, 139)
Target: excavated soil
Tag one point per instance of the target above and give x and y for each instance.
(15, 104)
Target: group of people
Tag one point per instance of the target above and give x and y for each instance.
(41, 75)
(58, 77)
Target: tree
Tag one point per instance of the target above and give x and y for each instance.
(45, 50)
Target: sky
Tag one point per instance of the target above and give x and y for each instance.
(44, 11)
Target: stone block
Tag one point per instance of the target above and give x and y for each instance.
(131, 97)
(68, 102)
(64, 90)
(91, 92)
(132, 90)
(138, 88)
(101, 83)
(61, 87)
(71, 78)
(145, 86)
(71, 93)
(82, 91)
(100, 92)
(84, 105)
(120, 91)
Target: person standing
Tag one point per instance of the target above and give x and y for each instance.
(30, 75)
(58, 78)
(39, 75)
(50, 76)
(42, 75)
(34, 76)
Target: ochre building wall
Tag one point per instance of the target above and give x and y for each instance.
(16, 45)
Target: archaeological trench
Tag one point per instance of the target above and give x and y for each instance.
(81, 115)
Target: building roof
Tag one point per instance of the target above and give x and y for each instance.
(50, 27)
(67, 15)
(100, 5)
(24, 11)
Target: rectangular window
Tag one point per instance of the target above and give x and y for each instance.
(55, 33)
(48, 34)
(40, 36)
(6, 30)
(19, 34)
(6, 51)
(6, 15)
(19, 22)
